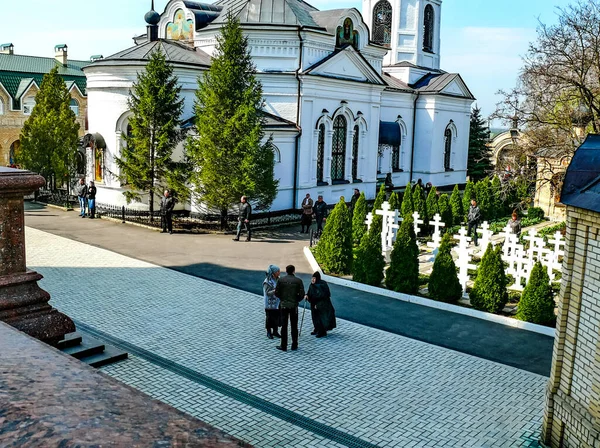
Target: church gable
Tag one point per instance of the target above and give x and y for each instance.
(346, 64)
(457, 87)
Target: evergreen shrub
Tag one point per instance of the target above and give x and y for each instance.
(445, 210)
(535, 213)
(334, 249)
(489, 291)
(466, 199)
(394, 201)
(403, 272)
(359, 217)
(432, 204)
(369, 262)
(407, 202)
(443, 282)
(456, 205)
(537, 302)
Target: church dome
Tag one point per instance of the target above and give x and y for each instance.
(152, 17)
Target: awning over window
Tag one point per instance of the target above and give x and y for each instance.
(389, 133)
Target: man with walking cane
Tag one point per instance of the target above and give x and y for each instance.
(290, 291)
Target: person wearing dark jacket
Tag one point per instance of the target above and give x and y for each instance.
(321, 308)
(354, 199)
(307, 212)
(167, 204)
(515, 225)
(244, 219)
(320, 210)
(473, 218)
(91, 199)
(290, 291)
(82, 190)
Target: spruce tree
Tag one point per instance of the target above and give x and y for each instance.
(377, 222)
(483, 193)
(443, 282)
(369, 262)
(334, 249)
(418, 201)
(537, 302)
(49, 137)
(230, 157)
(456, 205)
(489, 291)
(445, 210)
(479, 160)
(466, 199)
(403, 272)
(497, 206)
(394, 201)
(156, 108)
(358, 219)
(407, 202)
(432, 204)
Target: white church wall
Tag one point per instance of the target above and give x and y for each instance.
(280, 92)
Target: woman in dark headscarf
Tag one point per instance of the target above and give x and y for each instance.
(272, 322)
(323, 314)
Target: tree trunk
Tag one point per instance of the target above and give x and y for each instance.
(223, 219)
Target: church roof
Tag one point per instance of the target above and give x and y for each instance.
(435, 83)
(581, 187)
(395, 83)
(175, 53)
(329, 19)
(272, 12)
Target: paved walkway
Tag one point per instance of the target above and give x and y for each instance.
(242, 265)
(200, 346)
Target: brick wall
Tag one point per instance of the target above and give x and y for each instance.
(11, 121)
(572, 415)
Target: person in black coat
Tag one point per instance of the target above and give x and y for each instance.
(320, 210)
(244, 219)
(322, 311)
(167, 204)
(91, 199)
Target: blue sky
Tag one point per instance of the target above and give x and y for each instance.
(481, 40)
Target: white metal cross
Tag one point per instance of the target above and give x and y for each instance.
(486, 235)
(369, 220)
(437, 224)
(416, 222)
(464, 258)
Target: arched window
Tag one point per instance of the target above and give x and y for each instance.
(338, 148)
(428, 21)
(1, 106)
(13, 151)
(321, 153)
(74, 106)
(447, 149)
(355, 140)
(382, 23)
(396, 158)
(28, 105)
(276, 154)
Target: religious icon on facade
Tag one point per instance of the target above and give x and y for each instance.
(180, 28)
(346, 35)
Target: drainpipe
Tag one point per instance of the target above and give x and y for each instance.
(297, 148)
(412, 151)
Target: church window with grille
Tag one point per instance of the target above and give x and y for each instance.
(382, 23)
(355, 153)
(338, 148)
(447, 149)
(396, 158)
(428, 29)
(320, 153)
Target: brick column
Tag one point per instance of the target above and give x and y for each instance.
(23, 304)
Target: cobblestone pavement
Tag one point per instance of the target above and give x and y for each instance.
(383, 389)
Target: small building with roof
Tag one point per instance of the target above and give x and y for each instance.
(20, 79)
(350, 98)
(572, 414)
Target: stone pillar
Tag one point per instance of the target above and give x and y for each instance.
(23, 304)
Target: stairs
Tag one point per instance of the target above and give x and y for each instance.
(89, 350)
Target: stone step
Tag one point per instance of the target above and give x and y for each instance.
(88, 346)
(70, 340)
(109, 356)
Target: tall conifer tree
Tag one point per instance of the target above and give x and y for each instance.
(49, 137)
(358, 219)
(479, 163)
(146, 163)
(403, 272)
(432, 204)
(456, 205)
(407, 202)
(418, 201)
(334, 249)
(230, 157)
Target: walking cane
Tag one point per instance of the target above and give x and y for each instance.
(302, 321)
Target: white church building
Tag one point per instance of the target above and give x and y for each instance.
(350, 98)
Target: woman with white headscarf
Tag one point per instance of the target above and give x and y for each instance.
(272, 322)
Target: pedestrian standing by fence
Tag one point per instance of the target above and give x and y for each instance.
(320, 209)
(307, 212)
(91, 199)
(290, 291)
(82, 192)
(167, 204)
(244, 219)
(273, 319)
